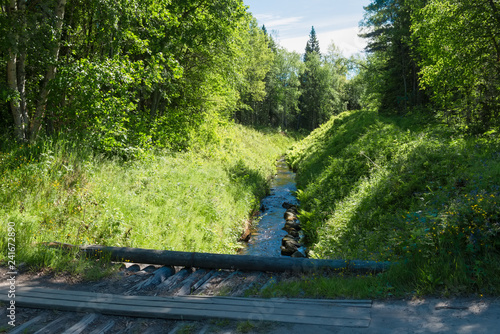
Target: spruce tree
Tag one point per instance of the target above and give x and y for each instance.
(309, 102)
(312, 45)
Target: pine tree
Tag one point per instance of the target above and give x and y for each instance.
(264, 29)
(312, 45)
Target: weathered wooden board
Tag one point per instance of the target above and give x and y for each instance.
(197, 303)
(104, 328)
(23, 327)
(194, 308)
(54, 326)
(82, 325)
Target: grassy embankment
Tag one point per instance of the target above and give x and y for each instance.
(400, 189)
(191, 201)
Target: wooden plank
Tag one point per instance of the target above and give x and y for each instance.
(204, 330)
(175, 279)
(104, 328)
(143, 311)
(53, 326)
(340, 301)
(330, 302)
(271, 281)
(26, 325)
(207, 283)
(250, 280)
(225, 281)
(231, 301)
(184, 288)
(82, 324)
(350, 302)
(179, 300)
(158, 277)
(194, 303)
(305, 302)
(204, 279)
(292, 309)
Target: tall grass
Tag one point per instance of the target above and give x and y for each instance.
(407, 190)
(189, 201)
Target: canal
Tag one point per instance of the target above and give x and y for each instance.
(267, 234)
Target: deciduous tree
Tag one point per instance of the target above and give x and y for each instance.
(459, 44)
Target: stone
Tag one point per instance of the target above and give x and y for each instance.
(290, 216)
(289, 246)
(298, 254)
(293, 233)
(287, 251)
(290, 224)
(290, 242)
(289, 236)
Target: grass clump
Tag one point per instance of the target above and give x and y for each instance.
(332, 286)
(195, 200)
(407, 190)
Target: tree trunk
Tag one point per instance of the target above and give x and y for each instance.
(51, 72)
(12, 80)
(223, 261)
(21, 68)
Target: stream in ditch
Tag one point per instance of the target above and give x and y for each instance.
(267, 234)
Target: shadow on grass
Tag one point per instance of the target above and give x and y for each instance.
(249, 179)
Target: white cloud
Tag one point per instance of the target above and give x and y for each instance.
(346, 40)
(265, 17)
(283, 22)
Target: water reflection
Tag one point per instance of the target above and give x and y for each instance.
(266, 238)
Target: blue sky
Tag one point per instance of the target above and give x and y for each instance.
(333, 20)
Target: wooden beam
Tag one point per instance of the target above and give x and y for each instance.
(224, 261)
(193, 308)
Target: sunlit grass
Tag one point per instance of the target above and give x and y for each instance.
(397, 189)
(189, 201)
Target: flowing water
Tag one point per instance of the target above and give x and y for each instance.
(266, 237)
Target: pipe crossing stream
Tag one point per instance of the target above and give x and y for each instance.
(266, 236)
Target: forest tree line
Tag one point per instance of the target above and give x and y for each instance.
(442, 56)
(127, 74)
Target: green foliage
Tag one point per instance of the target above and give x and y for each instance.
(393, 72)
(256, 59)
(439, 54)
(406, 190)
(189, 201)
(332, 286)
(322, 84)
(245, 327)
(280, 106)
(301, 94)
(130, 75)
(312, 45)
(458, 41)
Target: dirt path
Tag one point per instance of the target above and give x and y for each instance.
(460, 315)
